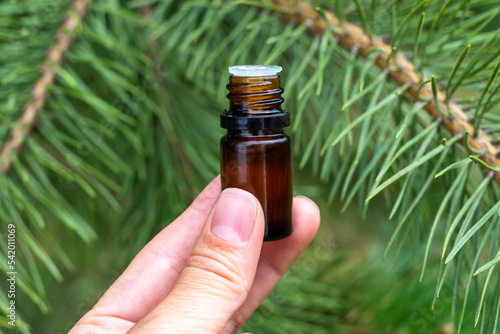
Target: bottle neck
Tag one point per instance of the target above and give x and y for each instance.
(254, 95)
(255, 133)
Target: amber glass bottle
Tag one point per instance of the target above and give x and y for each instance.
(256, 152)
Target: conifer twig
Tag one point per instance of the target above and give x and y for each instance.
(400, 69)
(187, 170)
(23, 126)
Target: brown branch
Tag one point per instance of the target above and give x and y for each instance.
(351, 37)
(23, 126)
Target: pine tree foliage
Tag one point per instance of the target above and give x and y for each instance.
(128, 133)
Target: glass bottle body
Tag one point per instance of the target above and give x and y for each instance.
(259, 161)
(256, 152)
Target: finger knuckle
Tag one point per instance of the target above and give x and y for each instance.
(220, 268)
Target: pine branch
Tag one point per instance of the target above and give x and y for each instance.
(146, 11)
(32, 108)
(400, 69)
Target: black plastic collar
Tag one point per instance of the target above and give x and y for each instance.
(260, 122)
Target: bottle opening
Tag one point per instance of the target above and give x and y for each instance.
(255, 99)
(254, 70)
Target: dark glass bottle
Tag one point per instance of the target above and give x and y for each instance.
(256, 152)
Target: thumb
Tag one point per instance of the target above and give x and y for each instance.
(219, 272)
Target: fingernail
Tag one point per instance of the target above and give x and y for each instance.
(234, 215)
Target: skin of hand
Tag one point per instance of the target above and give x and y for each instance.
(206, 272)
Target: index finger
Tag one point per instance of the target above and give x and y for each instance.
(154, 270)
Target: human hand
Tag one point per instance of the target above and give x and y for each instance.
(205, 272)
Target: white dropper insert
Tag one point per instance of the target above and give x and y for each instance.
(254, 70)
